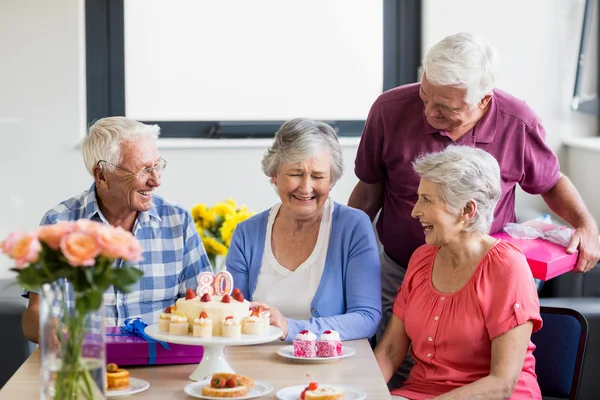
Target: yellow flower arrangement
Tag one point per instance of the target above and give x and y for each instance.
(216, 225)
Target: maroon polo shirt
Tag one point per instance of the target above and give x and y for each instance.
(396, 132)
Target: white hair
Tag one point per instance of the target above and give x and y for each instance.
(300, 139)
(104, 138)
(464, 61)
(464, 173)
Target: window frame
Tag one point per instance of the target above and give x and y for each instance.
(105, 71)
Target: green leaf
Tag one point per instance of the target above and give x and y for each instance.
(30, 278)
(89, 301)
(126, 276)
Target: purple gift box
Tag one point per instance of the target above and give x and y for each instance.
(130, 349)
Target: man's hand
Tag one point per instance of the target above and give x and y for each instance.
(585, 239)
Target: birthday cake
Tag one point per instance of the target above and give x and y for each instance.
(211, 304)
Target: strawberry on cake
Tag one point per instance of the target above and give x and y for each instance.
(305, 345)
(329, 344)
(228, 385)
(314, 392)
(231, 327)
(203, 326)
(165, 319)
(252, 325)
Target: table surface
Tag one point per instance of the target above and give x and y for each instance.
(260, 362)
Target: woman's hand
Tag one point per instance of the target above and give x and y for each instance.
(277, 319)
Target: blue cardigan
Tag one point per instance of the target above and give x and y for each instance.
(348, 298)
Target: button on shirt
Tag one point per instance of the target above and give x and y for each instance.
(452, 333)
(173, 256)
(396, 131)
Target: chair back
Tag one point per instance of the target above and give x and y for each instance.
(560, 346)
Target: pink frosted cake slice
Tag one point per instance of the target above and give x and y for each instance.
(329, 344)
(305, 345)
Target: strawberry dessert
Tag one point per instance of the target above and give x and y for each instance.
(305, 345)
(329, 344)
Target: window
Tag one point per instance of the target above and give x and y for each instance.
(235, 69)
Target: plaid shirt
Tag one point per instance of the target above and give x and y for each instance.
(173, 256)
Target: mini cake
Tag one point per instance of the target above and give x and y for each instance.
(329, 344)
(203, 326)
(324, 393)
(179, 324)
(116, 378)
(305, 345)
(165, 319)
(231, 327)
(227, 385)
(253, 325)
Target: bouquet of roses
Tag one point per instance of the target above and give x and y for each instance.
(82, 253)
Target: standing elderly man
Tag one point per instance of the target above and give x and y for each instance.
(456, 103)
(122, 156)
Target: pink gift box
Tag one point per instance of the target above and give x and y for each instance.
(546, 259)
(133, 350)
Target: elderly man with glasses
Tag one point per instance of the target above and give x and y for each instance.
(122, 156)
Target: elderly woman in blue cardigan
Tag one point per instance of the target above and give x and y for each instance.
(313, 263)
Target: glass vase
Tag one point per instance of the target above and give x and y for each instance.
(72, 347)
(218, 262)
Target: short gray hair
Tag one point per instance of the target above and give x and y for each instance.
(300, 139)
(464, 61)
(464, 173)
(104, 138)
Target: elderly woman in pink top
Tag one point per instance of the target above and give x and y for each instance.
(468, 304)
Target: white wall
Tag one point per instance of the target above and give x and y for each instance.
(42, 102)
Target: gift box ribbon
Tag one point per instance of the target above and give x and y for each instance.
(559, 235)
(136, 327)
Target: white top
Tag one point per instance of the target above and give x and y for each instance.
(332, 336)
(306, 336)
(276, 284)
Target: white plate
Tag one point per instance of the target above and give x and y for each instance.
(260, 389)
(273, 334)
(293, 392)
(288, 352)
(135, 386)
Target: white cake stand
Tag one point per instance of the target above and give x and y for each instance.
(213, 359)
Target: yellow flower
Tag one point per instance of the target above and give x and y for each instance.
(231, 202)
(202, 216)
(216, 225)
(222, 209)
(227, 228)
(213, 246)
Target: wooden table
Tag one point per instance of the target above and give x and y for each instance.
(260, 362)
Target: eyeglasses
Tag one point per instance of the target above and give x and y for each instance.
(145, 173)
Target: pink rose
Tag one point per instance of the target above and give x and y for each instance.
(24, 248)
(52, 234)
(80, 248)
(119, 243)
(87, 226)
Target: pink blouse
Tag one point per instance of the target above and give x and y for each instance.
(452, 333)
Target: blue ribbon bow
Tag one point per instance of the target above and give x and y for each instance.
(136, 327)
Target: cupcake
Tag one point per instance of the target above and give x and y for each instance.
(305, 345)
(253, 325)
(165, 319)
(203, 326)
(231, 328)
(329, 344)
(178, 325)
